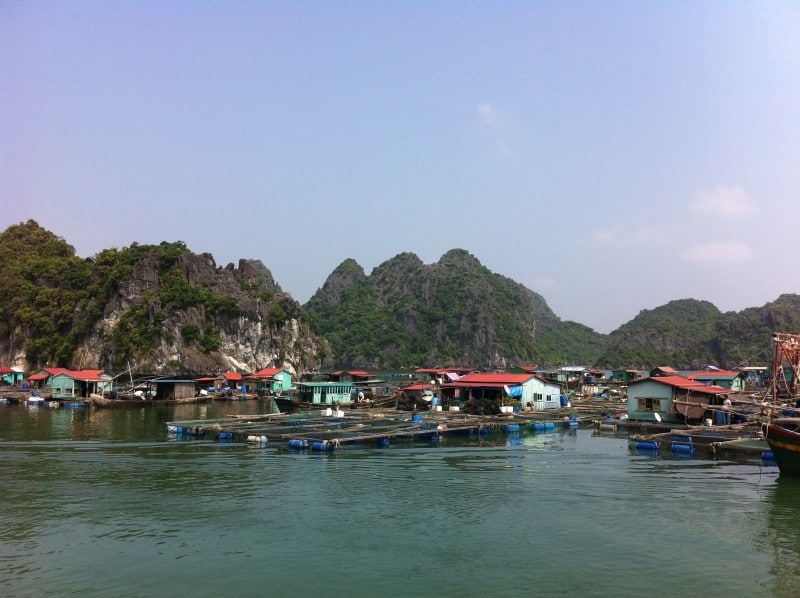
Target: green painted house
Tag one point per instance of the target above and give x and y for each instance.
(71, 384)
(271, 380)
(11, 376)
(325, 393)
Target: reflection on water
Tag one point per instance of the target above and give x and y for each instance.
(103, 504)
(782, 535)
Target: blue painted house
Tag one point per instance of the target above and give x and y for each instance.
(672, 399)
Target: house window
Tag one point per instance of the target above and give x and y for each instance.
(649, 404)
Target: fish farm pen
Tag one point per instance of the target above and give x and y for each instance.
(328, 430)
(737, 440)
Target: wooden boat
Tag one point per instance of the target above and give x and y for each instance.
(291, 404)
(783, 437)
(97, 400)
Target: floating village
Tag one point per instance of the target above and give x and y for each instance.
(748, 411)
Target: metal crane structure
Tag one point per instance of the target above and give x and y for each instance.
(785, 365)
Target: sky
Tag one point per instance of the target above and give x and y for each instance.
(612, 156)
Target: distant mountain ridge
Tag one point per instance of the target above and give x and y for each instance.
(169, 310)
(452, 312)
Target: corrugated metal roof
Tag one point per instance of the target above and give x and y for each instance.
(266, 372)
(351, 372)
(710, 374)
(500, 378)
(684, 383)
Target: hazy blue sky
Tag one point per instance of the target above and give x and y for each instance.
(611, 156)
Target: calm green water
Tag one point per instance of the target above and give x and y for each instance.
(101, 503)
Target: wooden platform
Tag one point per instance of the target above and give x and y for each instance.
(316, 431)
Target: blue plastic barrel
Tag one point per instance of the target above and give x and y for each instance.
(768, 456)
(417, 417)
(646, 445)
(298, 443)
(513, 427)
(564, 400)
(384, 441)
(682, 448)
(321, 445)
(549, 426)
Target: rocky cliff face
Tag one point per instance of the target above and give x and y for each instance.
(260, 326)
(158, 309)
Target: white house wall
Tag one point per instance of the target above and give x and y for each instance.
(551, 395)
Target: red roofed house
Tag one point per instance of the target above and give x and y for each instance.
(350, 376)
(673, 399)
(230, 380)
(275, 380)
(71, 384)
(531, 391)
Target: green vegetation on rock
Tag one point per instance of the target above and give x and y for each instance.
(146, 303)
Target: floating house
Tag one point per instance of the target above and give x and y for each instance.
(755, 376)
(625, 376)
(441, 375)
(672, 399)
(528, 390)
(271, 380)
(11, 376)
(173, 390)
(733, 381)
(231, 380)
(360, 376)
(71, 384)
(325, 393)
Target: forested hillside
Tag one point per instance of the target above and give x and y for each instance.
(164, 309)
(453, 312)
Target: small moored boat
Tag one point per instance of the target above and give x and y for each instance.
(783, 437)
